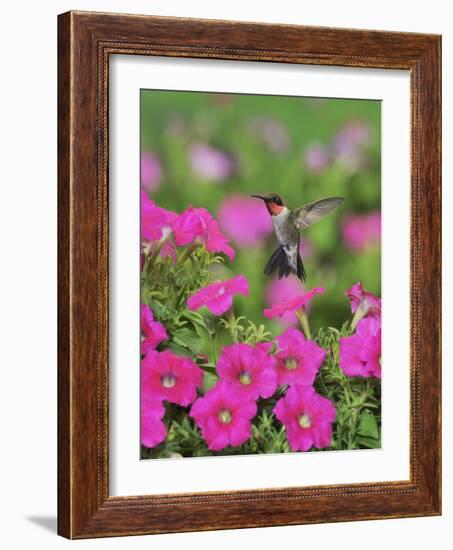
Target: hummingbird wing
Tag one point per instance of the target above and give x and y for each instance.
(314, 211)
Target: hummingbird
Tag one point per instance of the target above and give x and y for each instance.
(287, 226)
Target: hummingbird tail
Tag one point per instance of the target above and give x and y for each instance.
(300, 269)
(279, 260)
(275, 260)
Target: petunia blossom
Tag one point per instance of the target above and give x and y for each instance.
(363, 303)
(350, 143)
(210, 163)
(360, 354)
(279, 290)
(197, 225)
(244, 220)
(168, 250)
(152, 429)
(307, 417)
(272, 133)
(360, 232)
(150, 171)
(298, 359)
(249, 369)
(317, 157)
(218, 297)
(170, 377)
(292, 304)
(265, 346)
(354, 133)
(153, 332)
(155, 222)
(223, 416)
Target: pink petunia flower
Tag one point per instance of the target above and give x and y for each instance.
(244, 220)
(210, 163)
(152, 429)
(170, 377)
(317, 157)
(165, 247)
(265, 346)
(197, 225)
(168, 249)
(293, 304)
(280, 290)
(355, 133)
(150, 171)
(155, 222)
(360, 354)
(363, 302)
(360, 232)
(224, 416)
(298, 359)
(153, 332)
(249, 369)
(218, 297)
(350, 143)
(272, 133)
(307, 417)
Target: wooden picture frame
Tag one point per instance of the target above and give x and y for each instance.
(85, 42)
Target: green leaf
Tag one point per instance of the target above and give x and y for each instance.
(368, 426)
(159, 310)
(196, 318)
(209, 381)
(178, 349)
(202, 331)
(188, 339)
(369, 442)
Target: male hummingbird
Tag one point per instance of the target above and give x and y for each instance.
(287, 225)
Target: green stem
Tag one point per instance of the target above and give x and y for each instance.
(232, 324)
(188, 252)
(348, 391)
(213, 338)
(156, 249)
(304, 323)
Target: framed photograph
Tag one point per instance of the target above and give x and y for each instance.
(249, 275)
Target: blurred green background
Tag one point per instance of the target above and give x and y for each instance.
(214, 150)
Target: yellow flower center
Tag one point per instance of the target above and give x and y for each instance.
(304, 421)
(290, 363)
(245, 378)
(168, 381)
(225, 416)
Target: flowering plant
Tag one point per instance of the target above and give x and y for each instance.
(216, 383)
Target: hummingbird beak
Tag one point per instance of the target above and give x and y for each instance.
(259, 197)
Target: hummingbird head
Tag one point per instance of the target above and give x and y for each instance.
(273, 202)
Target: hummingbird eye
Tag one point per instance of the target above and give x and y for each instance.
(277, 200)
